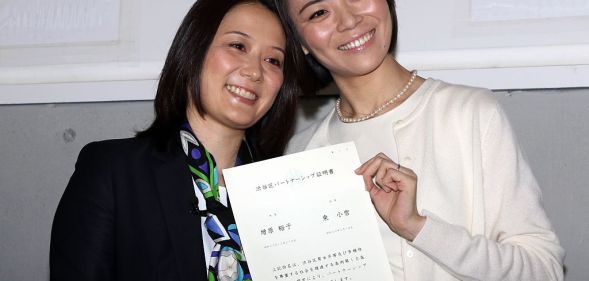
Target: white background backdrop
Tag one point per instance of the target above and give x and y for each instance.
(440, 38)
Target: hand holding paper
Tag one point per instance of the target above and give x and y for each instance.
(393, 192)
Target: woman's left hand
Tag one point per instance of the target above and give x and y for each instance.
(393, 190)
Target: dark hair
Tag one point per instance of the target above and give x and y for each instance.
(322, 77)
(181, 76)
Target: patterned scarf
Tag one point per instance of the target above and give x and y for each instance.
(227, 261)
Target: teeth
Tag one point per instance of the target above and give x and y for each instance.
(358, 42)
(241, 92)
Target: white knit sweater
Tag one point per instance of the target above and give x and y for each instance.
(485, 219)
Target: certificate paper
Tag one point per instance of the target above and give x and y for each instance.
(306, 216)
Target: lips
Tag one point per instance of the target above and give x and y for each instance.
(358, 43)
(239, 91)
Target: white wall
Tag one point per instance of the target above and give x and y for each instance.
(441, 40)
(122, 69)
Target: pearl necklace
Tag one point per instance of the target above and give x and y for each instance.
(341, 117)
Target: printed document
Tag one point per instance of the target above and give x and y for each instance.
(307, 216)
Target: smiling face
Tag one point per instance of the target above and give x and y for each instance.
(349, 38)
(243, 68)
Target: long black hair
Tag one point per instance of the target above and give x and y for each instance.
(181, 74)
(322, 78)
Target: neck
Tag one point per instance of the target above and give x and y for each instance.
(222, 142)
(360, 95)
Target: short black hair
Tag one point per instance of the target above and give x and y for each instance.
(181, 74)
(322, 78)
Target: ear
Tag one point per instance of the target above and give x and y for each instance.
(305, 51)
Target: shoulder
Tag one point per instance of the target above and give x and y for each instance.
(462, 95)
(460, 102)
(101, 165)
(111, 147)
(97, 165)
(117, 152)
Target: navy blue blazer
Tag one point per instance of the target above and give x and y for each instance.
(127, 214)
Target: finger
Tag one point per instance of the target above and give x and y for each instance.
(381, 179)
(378, 158)
(370, 167)
(373, 165)
(393, 179)
(366, 176)
(372, 188)
(404, 169)
(377, 172)
(373, 193)
(371, 173)
(408, 172)
(368, 184)
(365, 165)
(382, 200)
(383, 156)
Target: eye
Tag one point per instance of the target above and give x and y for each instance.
(274, 61)
(238, 46)
(317, 14)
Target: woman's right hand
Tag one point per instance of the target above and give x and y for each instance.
(393, 190)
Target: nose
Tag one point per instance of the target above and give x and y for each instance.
(348, 18)
(252, 70)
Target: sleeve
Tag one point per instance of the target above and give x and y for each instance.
(82, 246)
(519, 242)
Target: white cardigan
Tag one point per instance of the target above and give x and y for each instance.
(485, 220)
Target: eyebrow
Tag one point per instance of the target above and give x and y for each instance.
(248, 36)
(308, 4)
(238, 33)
